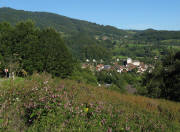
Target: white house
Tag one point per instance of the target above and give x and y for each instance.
(99, 67)
(129, 60)
(94, 60)
(87, 60)
(136, 63)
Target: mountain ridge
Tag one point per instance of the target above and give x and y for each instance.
(71, 26)
(59, 22)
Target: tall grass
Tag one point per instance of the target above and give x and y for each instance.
(40, 103)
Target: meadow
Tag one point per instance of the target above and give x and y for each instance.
(42, 103)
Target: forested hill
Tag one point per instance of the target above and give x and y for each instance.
(155, 35)
(70, 26)
(86, 39)
(59, 22)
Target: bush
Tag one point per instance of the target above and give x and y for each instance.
(32, 49)
(84, 76)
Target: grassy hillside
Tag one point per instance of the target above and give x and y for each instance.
(40, 103)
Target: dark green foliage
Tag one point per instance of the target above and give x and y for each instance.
(84, 46)
(58, 60)
(60, 23)
(112, 77)
(96, 52)
(172, 77)
(151, 35)
(34, 49)
(164, 81)
(84, 76)
(153, 82)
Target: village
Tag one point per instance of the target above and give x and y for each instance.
(127, 65)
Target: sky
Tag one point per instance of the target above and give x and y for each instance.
(123, 14)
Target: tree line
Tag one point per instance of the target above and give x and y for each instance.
(26, 48)
(164, 80)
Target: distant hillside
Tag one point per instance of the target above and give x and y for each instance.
(155, 35)
(60, 23)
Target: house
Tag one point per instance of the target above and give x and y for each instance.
(129, 60)
(130, 67)
(156, 57)
(120, 69)
(87, 60)
(115, 67)
(142, 67)
(107, 67)
(99, 67)
(136, 63)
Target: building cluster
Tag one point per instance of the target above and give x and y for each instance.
(129, 65)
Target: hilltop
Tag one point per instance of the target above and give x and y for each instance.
(60, 23)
